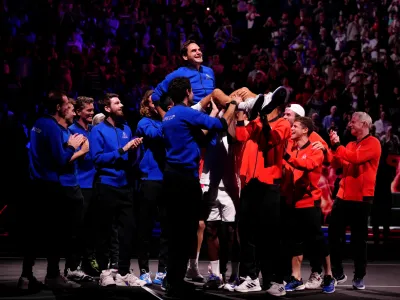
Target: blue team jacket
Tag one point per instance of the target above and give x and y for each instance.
(85, 166)
(152, 163)
(49, 154)
(182, 130)
(111, 163)
(202, 81)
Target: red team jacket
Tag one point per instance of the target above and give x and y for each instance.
(302, 174)
(262, 159)
(359, 161)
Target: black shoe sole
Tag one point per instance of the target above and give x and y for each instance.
(278, 98)
(256, 108)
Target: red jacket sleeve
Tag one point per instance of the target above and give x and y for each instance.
(309, 162)
(365, 152)
(243, 132)
(280, 132)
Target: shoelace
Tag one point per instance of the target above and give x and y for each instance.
(314, 276)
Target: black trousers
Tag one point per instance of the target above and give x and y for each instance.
(152, 205)
(354, 214)
(89, 223)
(288, 227)
(53, 220)
(259, 231)
(114, 205)
(183, 196)
(308, 220)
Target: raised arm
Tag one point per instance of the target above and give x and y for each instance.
(309, 163)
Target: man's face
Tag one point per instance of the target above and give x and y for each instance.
(289, 115)
(190, 97)
(70, 114)
(194, 54)
(355, 125)
(115, 108)
(62, 110)
(152, 108)
(298, 131)
(87, 113)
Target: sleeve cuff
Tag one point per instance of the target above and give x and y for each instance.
(286, 156)
(335, 146)
(240, 123)
(121, 151)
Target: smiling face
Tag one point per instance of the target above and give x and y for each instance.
(289, 115)
(298, 131)
(86, 113)
(194, 54)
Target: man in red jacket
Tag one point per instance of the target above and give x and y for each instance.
(304, 165)
(292, 112)
(359, 161)
(259, 213)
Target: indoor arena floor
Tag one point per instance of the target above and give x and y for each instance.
(382, 282)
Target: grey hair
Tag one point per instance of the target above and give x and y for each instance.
(98, 119)
(363, 117)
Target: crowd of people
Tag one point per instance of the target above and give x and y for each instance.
(259, 179)
(209, 155)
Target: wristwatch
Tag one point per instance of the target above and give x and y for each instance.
(233, 102)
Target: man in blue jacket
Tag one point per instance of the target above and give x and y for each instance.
(151, 200)
(111, 146)
(84, 109)
(182, 127)
(202, 80)
(51, 171)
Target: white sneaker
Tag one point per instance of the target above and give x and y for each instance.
(314, 282)
(277, 289)
(107, 278)
(249, 285)
(193, 273)
(129, 280)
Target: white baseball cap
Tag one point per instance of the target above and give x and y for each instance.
(298, 109)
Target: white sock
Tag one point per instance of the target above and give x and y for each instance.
(235, 268)
(215, 267)
(194, 262)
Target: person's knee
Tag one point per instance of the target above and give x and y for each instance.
(202, 226)
(212, 229)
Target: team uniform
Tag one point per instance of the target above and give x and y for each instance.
(303, 196)
(259, 216)
(359, 161)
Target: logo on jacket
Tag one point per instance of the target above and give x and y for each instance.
(124, 135)
(37, 130)
(208, 76)
(304, 156)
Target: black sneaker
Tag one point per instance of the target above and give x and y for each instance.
(253, 113)
(31, 284)
(214, 282)
(274, 100)
(340, 278)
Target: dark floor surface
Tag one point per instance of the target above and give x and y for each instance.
(382, 281)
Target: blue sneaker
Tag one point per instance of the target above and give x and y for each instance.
(358, 284)
(159, 278)
(146, 277)
(294, 285)
(328, 284)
